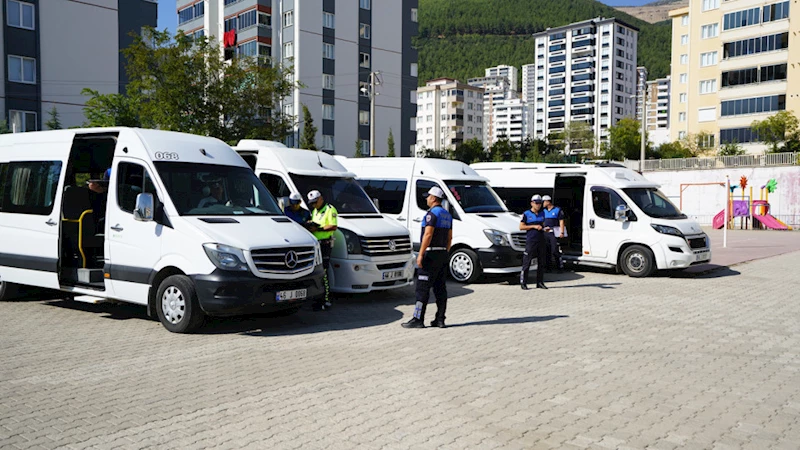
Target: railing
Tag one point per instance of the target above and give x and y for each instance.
(717, 162)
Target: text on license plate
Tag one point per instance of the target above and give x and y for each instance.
(705, 256)
(285, 296)
(392, 274)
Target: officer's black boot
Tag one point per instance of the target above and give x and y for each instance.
(540, 286)
(414, 323)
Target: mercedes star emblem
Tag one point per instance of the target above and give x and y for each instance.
(291, 259)
(392, 246)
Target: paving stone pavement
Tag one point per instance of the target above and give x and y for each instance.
(597, 361)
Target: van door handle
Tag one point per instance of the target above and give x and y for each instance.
(417, 220)
(117, 228)
(51, 222)
(401, 218)
(591, 223)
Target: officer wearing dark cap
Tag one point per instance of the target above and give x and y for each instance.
(553, 219)
(437, 235)
(533, 223)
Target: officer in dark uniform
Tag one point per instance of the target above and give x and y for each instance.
(554, 220)
(533, 223)
(437, 235)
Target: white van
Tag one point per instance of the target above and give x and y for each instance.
(188, 229)
(370, 252)
(615, 217)
(486, 236)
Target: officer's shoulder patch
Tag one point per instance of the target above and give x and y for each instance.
(428, 217)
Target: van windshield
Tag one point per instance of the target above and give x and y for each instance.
(215, 190)
(475, 196)
(347, 196)
(653, 203)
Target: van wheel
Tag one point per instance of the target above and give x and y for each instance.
(8, 291)
(177, 305)
(637, 261)
(464, 266)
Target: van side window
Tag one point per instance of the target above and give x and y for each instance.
(390, 194)
(132, 180)
(605, 202)
(30, 187)
(3, 169)
(275, 185)
(423, 186)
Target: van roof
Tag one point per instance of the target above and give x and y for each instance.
(272, 155)
(519, 174)
(390, 167)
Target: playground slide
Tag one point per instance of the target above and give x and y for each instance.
(769, 222)
(719, 220)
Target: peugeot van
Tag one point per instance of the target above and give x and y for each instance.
(615, 217)
(180, 224)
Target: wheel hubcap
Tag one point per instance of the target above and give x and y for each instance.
(173, 305)
(636, 262)
(461, 266)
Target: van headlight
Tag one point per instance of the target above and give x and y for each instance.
(497, 237)
(317, 253)
(663, 229)
(352, 241)
(226, 257)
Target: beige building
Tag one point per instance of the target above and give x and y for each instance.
(730, 67)
(449, 113)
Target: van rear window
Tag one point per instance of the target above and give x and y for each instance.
(30, 187)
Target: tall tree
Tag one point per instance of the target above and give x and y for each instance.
(578, 135)
(624, 139)
(390, 144)
(776, 129)
(54, 123)
(359, 146)
(308, 140)
(181, 84)
(469, 152)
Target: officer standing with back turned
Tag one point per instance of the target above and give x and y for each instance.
(533, 223)
(554, 220)
(437, 235)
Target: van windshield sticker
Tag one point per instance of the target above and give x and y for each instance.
(168, 156)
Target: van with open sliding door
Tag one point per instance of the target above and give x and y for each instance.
(614, 216)
(370, 252)
(486, 236)
(179, 223)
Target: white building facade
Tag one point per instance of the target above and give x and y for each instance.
(448, 113)
(509, 72)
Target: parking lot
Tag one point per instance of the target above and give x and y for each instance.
(707, 360)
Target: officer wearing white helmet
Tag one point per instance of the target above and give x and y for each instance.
(533, 223)
(554, 220)
(324, 221)
(296, 212)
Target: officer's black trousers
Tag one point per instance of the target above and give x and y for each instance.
(326, 248)
(534, 247)
(553, 253)
(432, 274)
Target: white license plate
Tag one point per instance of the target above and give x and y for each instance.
(393, 275)
(285, 296)
(703, 256)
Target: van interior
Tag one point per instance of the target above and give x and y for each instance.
(83, 210)
(569, 195)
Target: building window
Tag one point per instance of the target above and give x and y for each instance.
(739, 135)
(708, 86)
(743, 18)
(684, 59)
(708, 59)
(364, 4)
(753, 105)
(755, 45)
(288, 50)
(20, 15)
(288, 19)
(192, 12)
(21, 69)
(682, 97)
(682, 117)
(327, 142)
(288, 110)
(684, 78)
(365, 148)
(776, 11)
(327, 112)
(709, 31)
(414, 69)
(328, 20)
(363, 117)
(364, 31)
(363, 60)
(22, 121)
(685, 20)
(247, 49)
(414, 14)
(248, 19)
(710, 4)
(328, 82)
(264, 19)
(328, 51)
(684, 39)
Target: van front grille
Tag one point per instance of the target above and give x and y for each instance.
(695, 243)
(518, 241)
(287, 260)
(386, 246)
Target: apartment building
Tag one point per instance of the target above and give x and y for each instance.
(498, 95)
(332, 47)
(529, 83)
(658, 101)
(449, 113)
(509, 72)
(731, 65)
(508, 120)
(585, 71)
(54, 49)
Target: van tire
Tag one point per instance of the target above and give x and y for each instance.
(464, 266)
(637, 261)
(8, 291)
(177, 306)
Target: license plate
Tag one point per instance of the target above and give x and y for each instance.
(285, 296)
(703, 256)
(393, 275)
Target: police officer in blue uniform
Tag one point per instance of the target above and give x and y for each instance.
(437, 235)
(296, 212)
(533, 223)
(553, 219)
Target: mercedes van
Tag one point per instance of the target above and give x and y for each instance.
(486, 236)
(179, 223)
(370, 252)
(614, 216)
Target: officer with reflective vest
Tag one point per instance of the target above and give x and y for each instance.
(437, 235)
(553, 219)
(324, 221)
(533, 223)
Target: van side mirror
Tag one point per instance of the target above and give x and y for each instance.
(377, 203)
(144, 207)
(621, 213)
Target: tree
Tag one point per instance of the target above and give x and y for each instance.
(54, 123)
(308, 140)
(4, 129)
(578, 135)
(359, 147)
(390, 144)
(731, 149)
(469, 152)
(625, 140)
(670, 150)
(776, 129)
(177, 83)
(504, 150)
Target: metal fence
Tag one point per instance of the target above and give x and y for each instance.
(717, 162)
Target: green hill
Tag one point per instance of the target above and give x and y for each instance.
(460, 38)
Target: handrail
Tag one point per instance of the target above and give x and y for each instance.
(79, 221)
(717, 162)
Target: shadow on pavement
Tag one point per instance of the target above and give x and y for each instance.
(507, 321)
(597, 285)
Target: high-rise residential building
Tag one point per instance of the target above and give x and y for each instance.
(448, 113)
(497, 89)
(586, 72)
(529, 83)
(332, 47)
(731, 65)
(509, 72)
(54, 49)
(658, 97)
(509, 120)
(641, 91)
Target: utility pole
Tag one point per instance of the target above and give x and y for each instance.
(373, 82)
(643, 88)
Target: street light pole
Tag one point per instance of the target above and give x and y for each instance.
(644, 131)
(372, 83)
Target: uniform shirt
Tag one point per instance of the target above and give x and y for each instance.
(300, 216)
(441, 221)
(533, 218)
(553, 216)
(327, 215)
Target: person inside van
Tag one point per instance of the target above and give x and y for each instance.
(554, 220)
(98, 188)
(214, 193)
(296, 212)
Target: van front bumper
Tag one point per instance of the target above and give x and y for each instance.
(360, 276)
(500, 259)
(225, 293)
(678, 254)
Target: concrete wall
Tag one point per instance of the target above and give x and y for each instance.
(703, 202)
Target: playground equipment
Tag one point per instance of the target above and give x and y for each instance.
(753, 213)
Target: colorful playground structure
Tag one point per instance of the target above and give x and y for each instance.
(752, 213)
